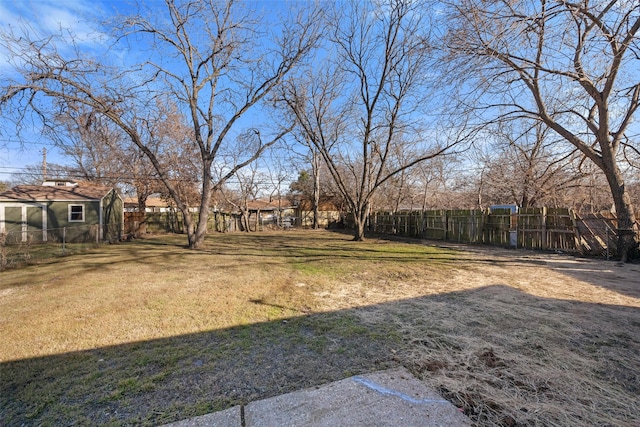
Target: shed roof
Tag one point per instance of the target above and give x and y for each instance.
(39, 193)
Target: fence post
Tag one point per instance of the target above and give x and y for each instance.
(64, 239)
(472, 226)
(577, 240)
(545, 241)
(446, 225)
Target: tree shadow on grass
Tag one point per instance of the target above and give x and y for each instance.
(159, 381)
(504, 356)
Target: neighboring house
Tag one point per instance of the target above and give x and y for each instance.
(153, 204)
(330, 214)
(61, 208)
(270, 212)
(300, 215)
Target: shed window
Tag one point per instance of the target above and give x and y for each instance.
(76, 213)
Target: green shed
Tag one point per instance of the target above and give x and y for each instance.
(61, 210)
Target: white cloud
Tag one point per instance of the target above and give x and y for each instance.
(79, 19)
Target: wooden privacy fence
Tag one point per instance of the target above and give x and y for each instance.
(532, 228)
(597, 233)
(139, 223)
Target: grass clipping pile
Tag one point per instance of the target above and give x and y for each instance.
(516, 338)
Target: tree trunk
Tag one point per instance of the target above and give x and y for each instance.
(360, 221)
(196, 241)
(244, 219)
(200, 231)
(627, 239)
(316, 209)
(196, 236)
(188, 224)
(358, 233)
(142, 200)
(316, 190)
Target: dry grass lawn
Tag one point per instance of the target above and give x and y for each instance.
(148, 332)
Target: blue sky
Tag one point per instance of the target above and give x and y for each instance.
(42, 17)
(82, 19)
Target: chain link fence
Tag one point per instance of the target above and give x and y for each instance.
(18, 248)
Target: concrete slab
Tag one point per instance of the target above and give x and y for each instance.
(386, 398)
(228, 418)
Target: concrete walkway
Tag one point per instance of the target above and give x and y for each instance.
(386, 398)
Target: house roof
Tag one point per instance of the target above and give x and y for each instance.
(152, 202)
(266, 205)
(40, 193)
(306, 205)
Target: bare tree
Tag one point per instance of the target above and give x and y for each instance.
(276, 174)
(431, 179)
(37, 173)
(100, 152)
(570, 65)
(247, 188)
(402, 190)
(308, 184)
(91, 142)
(313, 188)
(365, 101)
(216, 60)
(523, 165)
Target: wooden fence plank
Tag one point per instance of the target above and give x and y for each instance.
(533, 228)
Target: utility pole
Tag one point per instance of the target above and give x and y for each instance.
(44, 163)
